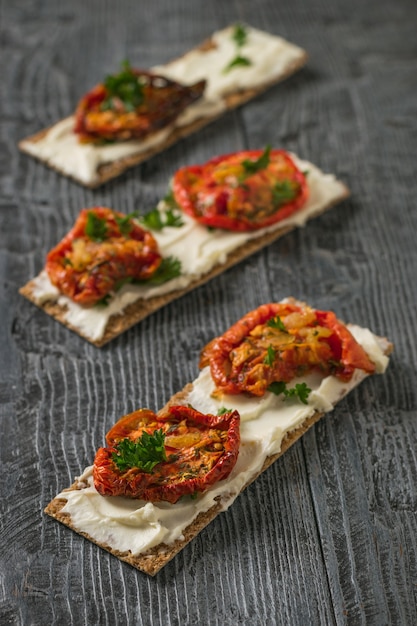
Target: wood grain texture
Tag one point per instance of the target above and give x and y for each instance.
(328, 534)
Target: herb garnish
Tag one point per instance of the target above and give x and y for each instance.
(223, 410)
(96, 227)
(157, 220)
(276, 322)
(170, 201)
(169, 268)
(105, 301)
(238, 61)
(270, 356)
(144, 453)
(283, 191)
(124, 88)
(240, 37)
(125, 223)
(251, 167)
(300, 390)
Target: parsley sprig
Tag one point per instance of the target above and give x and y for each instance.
(300, 391)
(283, 191)
(144, 453)
(169, 268)
(238, 61)
(240, 37)
(124, 87)
(251, 167)
(270, 356)
(96, 227)
(157, 219)
(223, 410)
(276, 322)
(125, 223)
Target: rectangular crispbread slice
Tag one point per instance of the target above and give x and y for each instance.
(115, 167)
(140, 309)
(157, 557)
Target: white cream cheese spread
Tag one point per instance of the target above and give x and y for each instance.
(134, 525)
(198, 248)
(270, 57)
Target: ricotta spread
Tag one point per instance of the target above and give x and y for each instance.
(198, 248)
(136, 526)
(271, 58)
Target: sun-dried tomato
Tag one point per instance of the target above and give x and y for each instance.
(132, 105)
(242, 191)
(199, 451)
(278, 342)
(103, 250)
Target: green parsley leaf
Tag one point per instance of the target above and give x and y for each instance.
(223, 410)
(104, 301)
(152, 220)
(238, 61)
(170, 201)
(270, 356)
(173, 219)
(125, 223)
(144, 453)
(124, 87)
(157, 220)
(277, 387)
(283, 191)
(251, 167)
(169, 268)
(66, 262)
(300, 391)
(96, 227)
(240, 35)
(276, 322)
(123, 281)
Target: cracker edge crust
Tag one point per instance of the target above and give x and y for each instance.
(108, 171)
(142, 308)
(158, 556)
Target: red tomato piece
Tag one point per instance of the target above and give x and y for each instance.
(278, 342)
(242, 191)
(199, 451)
(132, 105)
(102, 250)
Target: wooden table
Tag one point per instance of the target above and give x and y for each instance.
(328, 535)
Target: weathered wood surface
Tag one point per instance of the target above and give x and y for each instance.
(328, 534)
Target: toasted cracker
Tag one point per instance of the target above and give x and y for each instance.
(157, 557)
(108, 171)
(139, 310)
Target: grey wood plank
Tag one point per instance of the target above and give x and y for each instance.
(328, 534)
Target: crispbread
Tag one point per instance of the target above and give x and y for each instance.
(116, 167)
(157, 557)
(140, 309)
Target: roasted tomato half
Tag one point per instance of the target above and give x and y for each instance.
(103, 250)
(132, 105)
(154, 458)
(242, 191)
(278, 342)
